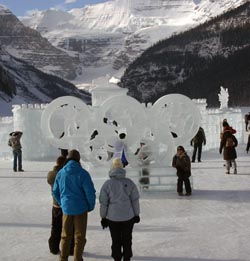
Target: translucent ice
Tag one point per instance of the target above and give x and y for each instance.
(120, 124)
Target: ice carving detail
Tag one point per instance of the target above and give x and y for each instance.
(69, 123)
(223, 98)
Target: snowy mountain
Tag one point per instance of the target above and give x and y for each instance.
(23, 83)
(197, 62)
(27, 44)
(109, 36)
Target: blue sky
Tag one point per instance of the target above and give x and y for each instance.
(20, 7)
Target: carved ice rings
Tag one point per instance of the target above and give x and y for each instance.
(67, 122)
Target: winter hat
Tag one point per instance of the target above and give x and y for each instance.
(60, 161)
(75, 155)
(116, 163)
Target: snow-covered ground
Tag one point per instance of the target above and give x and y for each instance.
(211, 225)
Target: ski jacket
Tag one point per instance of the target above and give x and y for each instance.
(119, 197)
(74, 190)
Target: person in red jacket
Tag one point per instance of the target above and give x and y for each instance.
(228, 144)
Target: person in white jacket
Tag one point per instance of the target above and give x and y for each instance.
(119, 210)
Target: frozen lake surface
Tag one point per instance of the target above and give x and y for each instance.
(211, 225)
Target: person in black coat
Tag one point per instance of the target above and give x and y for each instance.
(181, 162)
(198, 140)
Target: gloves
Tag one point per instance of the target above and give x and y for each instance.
(104, 223)
(136, 219)
(247, 151)
(220, 151)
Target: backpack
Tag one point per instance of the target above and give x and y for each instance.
(229, 142)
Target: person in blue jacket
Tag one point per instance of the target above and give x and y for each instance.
(75, 193)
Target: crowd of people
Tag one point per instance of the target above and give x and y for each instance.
(74, 194)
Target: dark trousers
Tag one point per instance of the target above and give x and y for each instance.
(186, 183)
(56, 230)
(17, 160)
(121, 234)
(144, 180)
(199, 148)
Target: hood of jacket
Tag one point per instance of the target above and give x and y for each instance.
(72, 167)
(117, 173)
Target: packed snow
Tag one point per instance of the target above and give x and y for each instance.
(211, 225)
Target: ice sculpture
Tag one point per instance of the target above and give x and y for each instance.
(120, 123)
(223, 98)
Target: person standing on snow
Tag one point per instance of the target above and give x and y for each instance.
(15, 144)
(197, 142)
(74, 191)
(181, 162)
(119, 210)
(56, 225)
(228, 144)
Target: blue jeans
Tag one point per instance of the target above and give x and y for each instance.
(17, 159)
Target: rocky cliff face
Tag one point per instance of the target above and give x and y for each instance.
(23, 83)
(27, 44)
(110, 35)
(197, 62)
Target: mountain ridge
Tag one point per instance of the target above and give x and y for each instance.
(109, 36)
(21, 82)
(197, 62)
